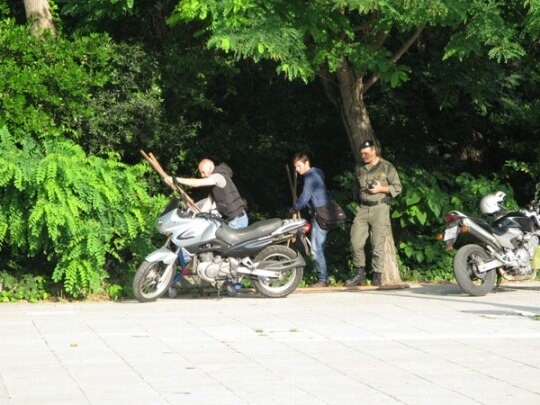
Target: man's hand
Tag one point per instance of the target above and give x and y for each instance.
(377, 187)
(295, 214)
(374, 187)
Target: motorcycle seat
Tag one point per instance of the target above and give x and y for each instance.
(253, 231)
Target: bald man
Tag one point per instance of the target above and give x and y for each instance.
(223, 192)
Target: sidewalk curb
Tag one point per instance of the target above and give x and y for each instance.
(307, 290)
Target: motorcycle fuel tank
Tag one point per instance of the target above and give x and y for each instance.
(515, 220)
(187, 229)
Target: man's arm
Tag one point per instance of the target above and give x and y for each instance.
(393, 189)
(307, 192)
(192, 182)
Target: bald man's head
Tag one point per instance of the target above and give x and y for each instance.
(206, 167)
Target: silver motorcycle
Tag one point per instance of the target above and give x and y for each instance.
(506, 248)
(202, 247)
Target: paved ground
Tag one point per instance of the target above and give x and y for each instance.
(419, 345)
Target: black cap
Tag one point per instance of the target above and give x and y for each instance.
(366, 144)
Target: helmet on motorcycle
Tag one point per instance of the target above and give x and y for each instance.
(491, 203)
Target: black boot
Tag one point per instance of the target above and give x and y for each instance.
(358, 279)
(376, 279)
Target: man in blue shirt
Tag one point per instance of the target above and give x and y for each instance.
(314, 195)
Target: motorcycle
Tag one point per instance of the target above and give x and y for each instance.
(207, 250)
(507, 248)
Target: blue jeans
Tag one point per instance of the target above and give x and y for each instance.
(239, 222)
(318, 237)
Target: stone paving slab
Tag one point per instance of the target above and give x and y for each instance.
(417, 345)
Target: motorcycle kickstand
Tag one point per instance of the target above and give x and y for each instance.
(218, 287)
(499, 280)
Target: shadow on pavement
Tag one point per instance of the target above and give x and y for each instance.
(452, 293)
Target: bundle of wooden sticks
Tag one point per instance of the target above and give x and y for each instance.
(157, 167)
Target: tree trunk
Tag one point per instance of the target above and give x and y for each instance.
(390, 274)
(353, 109)
(345, 90)
(39, 16)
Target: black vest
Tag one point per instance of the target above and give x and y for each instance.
(228, 201)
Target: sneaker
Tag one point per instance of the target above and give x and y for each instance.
(320, 283)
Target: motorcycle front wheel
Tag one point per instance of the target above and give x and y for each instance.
(288, 280)
(152, 280)
(468, 278)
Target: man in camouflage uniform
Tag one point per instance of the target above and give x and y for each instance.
(376, 182)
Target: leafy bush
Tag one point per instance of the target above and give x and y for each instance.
(76, 211)
(48, 84)
(103, 95)
(26, 287)
(418, 213)
(78, 217)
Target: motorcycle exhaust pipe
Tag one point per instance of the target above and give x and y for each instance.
(298, 261)
(270, 268)
(480, 233)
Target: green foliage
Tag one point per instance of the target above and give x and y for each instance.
(48, 85)
(129, 111)
(4, 10)
(114, 291)
(301, 37)
(427, 196)
(26, 287)
(93, 12)
(76, 211)
(103, 95)
(488, 26)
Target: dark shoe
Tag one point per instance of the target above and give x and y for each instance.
(376, 279)
(359, 279)
(320, 283)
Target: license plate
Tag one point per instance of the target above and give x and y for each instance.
(450, 233)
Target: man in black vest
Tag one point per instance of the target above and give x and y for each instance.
(223, 193)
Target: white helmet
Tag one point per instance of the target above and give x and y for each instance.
(491, 203)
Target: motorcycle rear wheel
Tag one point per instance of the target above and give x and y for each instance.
(290, 280)
(152, 280)
(469, 280)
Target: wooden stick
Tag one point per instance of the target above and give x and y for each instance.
(157, 167)
(155, 164)
(295, 184)
(293, 190)
(292, 186)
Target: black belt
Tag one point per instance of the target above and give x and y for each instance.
(374, 203)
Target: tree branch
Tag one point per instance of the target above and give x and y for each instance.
(404, 48)
(329, 85)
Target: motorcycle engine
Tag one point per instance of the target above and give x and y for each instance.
(523, 256)
(211, 268)
(523, 260)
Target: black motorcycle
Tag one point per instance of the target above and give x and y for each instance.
(508, 247)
